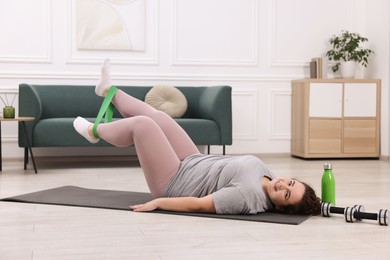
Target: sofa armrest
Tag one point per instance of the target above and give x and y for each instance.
(29, 106)
(215, 103)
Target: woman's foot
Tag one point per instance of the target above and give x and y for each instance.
(84, 128)
(105, 79)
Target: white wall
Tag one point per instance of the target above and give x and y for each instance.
(256, 46)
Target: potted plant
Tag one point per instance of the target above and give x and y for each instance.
(346, 51)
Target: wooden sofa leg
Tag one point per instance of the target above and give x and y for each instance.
(208, 149)
(224, 151)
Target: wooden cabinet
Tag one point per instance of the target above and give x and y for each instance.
(335, 118)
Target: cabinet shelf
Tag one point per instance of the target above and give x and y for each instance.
(337, 118)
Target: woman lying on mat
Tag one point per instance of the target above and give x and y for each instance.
(184, 180)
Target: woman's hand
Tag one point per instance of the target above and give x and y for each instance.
(148, 206)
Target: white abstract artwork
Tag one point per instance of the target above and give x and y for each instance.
(110, 25)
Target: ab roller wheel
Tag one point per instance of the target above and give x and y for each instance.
(355, 213)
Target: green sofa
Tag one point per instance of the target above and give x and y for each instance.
(208, 119)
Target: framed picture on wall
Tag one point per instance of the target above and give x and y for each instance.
(110, 25)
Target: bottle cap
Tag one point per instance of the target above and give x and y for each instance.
(327, 166)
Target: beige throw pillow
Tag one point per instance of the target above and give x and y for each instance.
(167, 99)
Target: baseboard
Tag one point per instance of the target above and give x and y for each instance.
(384, 158)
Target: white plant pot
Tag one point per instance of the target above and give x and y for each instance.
(347, 69)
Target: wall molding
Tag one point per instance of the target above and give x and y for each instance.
(177, 61)
(357, 7)
(274, 133)
(49, 41)
(27, 75)
(8, 90)
(8, 139)
(252, 94)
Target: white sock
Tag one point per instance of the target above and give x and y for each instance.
(81, 125)
(105, 78)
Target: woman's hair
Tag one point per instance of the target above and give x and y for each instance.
(309, 205)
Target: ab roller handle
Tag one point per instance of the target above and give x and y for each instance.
(352, 214)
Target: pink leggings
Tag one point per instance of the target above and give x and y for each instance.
(161, 144)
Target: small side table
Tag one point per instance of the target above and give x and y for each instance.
(22, 120)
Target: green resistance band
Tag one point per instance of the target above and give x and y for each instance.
(106, 110)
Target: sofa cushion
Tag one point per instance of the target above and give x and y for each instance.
(197, 127)
(59, 132)
(167, 99)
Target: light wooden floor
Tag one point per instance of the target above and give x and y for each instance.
(30, 231)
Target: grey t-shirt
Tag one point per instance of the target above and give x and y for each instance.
(234, 181)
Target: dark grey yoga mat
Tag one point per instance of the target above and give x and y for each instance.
(120, 200)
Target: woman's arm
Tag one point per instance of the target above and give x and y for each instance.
(180, 204)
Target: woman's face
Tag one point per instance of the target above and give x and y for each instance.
(285, 191)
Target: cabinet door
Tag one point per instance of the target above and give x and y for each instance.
(360, 136)
(325, 100)
(360, 99)
(325, 136)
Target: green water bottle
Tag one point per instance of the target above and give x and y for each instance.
(328, 185)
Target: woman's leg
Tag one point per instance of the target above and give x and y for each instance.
(181, 143)
(129, 106)
(158, 160)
